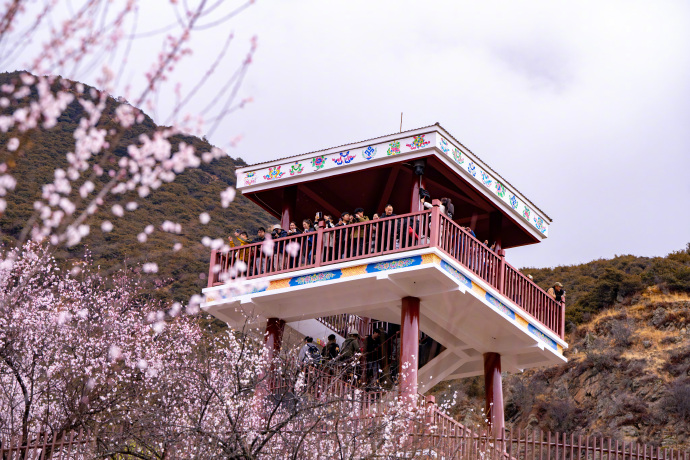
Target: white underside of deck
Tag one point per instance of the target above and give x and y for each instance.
(458, 316)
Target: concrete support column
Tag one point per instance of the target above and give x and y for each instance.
(288, 211)
(494, 393)
(409, 346)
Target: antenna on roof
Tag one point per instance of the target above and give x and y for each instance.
(400, 121)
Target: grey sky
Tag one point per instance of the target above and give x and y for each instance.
(583, 106)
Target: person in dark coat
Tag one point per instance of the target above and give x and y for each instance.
(331, 349)
(388, 233)
(340, 243)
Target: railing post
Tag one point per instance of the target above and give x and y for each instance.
(502, 271)
(562, 325)
(210, 269)
(435, 224)
(318, 253)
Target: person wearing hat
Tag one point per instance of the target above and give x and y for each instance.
(557, 292)
(278, 232)
(350, 346)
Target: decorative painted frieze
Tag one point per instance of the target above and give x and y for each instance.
(494, 185)
(375, 152)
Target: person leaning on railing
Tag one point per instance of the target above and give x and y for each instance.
(328, 238)
(557, 292)
(308, 242)
(340, 242)
(239, 238)
(359, 233)
(387, 236)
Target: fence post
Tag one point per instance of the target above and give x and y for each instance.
(502, 271)
(318, 253)
(562, 322)
(210, 269)
(435, 224)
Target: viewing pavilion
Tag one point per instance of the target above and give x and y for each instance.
(420, 272)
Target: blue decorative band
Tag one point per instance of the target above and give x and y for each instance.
(456, 274)
(544, 337)
(393, 264)
(498, 304)
(315, 278)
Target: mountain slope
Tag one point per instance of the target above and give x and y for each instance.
(181, 274)
(628, 370)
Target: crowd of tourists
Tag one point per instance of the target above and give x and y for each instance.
(389, 235)
(364, 362)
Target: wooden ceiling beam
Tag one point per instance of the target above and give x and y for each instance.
(474, 198)
(328, 208)
(388, 188)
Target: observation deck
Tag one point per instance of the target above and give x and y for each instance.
(421, 269)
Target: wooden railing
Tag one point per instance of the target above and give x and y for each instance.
(533, 299)
(342, 323)
(439, 436)
(469, 251)
(374, 238)
(445, 441)
(71, 445)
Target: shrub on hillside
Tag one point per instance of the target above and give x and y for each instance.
(678, 363)
(559, 415)
(678, 398)
(671, 272)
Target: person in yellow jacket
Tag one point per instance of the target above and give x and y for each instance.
(239, 238)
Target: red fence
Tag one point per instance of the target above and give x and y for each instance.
(387, 236)
(73, 445)
(531, 298)
(448, 439)
(469, 251)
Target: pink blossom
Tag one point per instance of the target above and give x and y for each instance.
(13, 144)
(227, 196)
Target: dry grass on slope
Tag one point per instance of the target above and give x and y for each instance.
(627, 376)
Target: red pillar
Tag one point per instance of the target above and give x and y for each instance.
(274, 336)
(272, 341)
(289, 203)
(409, 346)
(495, 229)
(415, 204)
(494, 393)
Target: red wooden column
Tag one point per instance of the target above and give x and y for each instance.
(272, 341)
(409, 346)
(495, 229)
(274, 336)
(494, 393)
(289, 203)
(415, 204)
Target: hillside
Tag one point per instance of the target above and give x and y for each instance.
(628, 369)
(193, 192)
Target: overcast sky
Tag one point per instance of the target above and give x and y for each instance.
(583, 106)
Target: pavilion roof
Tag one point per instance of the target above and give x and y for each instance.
(369, 153)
